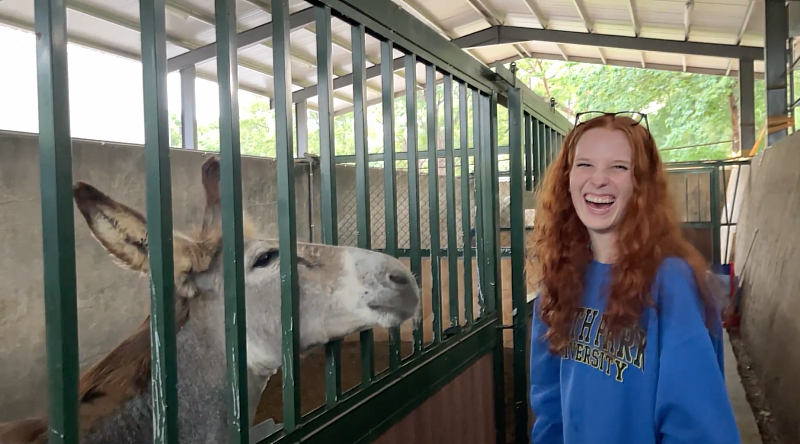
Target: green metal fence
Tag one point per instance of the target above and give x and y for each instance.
(363, 413)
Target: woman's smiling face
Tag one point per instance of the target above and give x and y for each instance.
(601, 179)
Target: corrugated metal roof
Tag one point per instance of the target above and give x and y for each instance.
(113, 26)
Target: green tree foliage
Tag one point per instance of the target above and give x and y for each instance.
(683, 110)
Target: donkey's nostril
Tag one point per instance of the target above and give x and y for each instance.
(398, 279)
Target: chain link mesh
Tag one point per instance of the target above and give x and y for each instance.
(348, 216)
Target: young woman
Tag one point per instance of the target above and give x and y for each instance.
(627, 342)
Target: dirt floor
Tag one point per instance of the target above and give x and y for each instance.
(312, 381)
(753, 388)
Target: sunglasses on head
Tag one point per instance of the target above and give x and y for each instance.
(585, 116)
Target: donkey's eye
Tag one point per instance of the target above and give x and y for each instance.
(266, 258)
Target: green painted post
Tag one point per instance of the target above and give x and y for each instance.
(287, 225)
(410, 61)
(433, 198)
(466, 225)
(58, 231)
(450, 190)
(477, 131)
(327, 150)
(164, 372)
(529, 120)
(232, 235)
(389, 185)
(519, 285)
(362, 178)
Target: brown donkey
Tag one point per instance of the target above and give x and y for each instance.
(342, 290)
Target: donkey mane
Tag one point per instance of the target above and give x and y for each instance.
(124, 373)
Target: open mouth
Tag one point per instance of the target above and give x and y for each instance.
(599, 204)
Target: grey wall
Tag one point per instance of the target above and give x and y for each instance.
(771, 291)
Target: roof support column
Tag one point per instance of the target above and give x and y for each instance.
(301, 109)
(776, 24)
(188, 108)
(747, 115)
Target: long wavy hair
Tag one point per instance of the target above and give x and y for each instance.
(648, 232)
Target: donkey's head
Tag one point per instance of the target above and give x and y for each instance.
(341, 290)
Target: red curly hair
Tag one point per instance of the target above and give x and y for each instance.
(648, 233)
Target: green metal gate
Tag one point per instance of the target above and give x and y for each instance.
(365, 412)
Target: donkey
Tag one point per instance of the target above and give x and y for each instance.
(342, 290)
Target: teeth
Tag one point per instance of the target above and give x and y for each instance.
(600, 200)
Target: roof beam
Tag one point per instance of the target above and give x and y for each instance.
(536, 11)
(483, 9)
(687, 19)
(244, 39)
(632, 64)
(587, 22)
(499, 35)
(637, 26)
(346, 80)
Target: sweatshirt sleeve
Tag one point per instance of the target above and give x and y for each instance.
(545, 389)
(692, 404)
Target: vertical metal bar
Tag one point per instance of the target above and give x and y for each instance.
(727, 223)
(232, 236)
(164, 372)
(362, 177)
(389, 185)
(491, 214)
(541, 150)
(733, 205)
(58, 231)
(528, 152)
(466, 225)
(327, 153)
(413, 186)
(290, 313)
(450, 190)
(301, 109)
(776, 24)
(747, 106)
(188, 108)
(433, 198)
(518, 279)
(477, 138)
(715, 222)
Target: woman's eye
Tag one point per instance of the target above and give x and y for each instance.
(266, 258)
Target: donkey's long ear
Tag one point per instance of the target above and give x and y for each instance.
(212, 219)
(210, 178)
(120, 229)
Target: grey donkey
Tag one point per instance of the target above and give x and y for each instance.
(342, 290)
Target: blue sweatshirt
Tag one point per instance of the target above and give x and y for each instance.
(664, 384)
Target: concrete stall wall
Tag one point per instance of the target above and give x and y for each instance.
(767, 258)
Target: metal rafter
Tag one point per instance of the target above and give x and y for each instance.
(114, 19)
(499, 35)
(630, 64)
(687, 19)
(742, 29)
(545, 22)
(587, 22)
(205, 18)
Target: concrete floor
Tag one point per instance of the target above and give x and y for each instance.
(741, 408)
